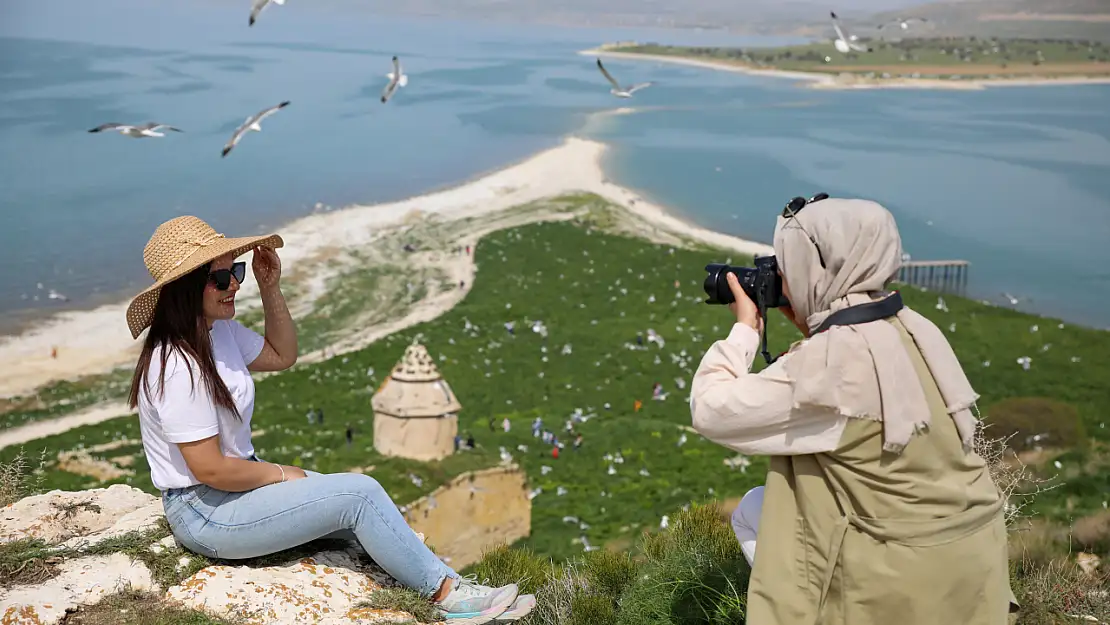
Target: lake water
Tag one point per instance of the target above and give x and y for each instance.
(1015, 180)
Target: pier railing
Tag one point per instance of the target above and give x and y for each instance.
(949, 276)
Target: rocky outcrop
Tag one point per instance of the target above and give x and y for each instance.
(324, 588)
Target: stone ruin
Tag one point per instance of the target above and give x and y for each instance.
(415, 411)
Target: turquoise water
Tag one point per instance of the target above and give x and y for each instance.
(1015, 180)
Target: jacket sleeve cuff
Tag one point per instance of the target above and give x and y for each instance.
(743, 336)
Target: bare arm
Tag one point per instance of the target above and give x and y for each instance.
(280, 350)
(208, 464)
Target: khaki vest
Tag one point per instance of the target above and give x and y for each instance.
(859, 536)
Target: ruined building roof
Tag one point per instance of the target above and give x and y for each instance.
(415, 388)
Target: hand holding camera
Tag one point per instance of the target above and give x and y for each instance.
(743, 307)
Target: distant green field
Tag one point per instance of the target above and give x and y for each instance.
(928, 57)
(594, 292)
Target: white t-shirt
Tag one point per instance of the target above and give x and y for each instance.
(186, 412)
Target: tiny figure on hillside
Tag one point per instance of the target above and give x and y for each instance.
(636, 405)
(555, 452)
(458, 442)
(537, 425)
(577, 442)
(509, 325)
(470, 441)
(350, 435)
(310, 416)
(468, 250)
(54, 352)
(320, 416)
(492, 424)
(657, 392)
(505, 424)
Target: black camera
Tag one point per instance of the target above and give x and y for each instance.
(762, 283)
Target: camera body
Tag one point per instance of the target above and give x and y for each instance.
(762, 283)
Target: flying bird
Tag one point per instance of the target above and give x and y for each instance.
(844, 43)
(397, 78)
(146, 130)
(253, 123)
(617, 90)
(258, 5)
(903, 23)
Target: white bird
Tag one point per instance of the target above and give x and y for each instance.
(254, 122)
(397, 78)
(138, 132)
(617, 90)
(258, 5)
(903, 23)
(844, 43)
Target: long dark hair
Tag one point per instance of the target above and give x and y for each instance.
(179, 325)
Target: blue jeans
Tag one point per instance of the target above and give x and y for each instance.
(219, 524)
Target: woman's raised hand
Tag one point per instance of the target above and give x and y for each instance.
(266, 266)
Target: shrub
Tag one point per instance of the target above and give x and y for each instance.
(1092, 533)
(521, 566)
(1031, 422)
(18, 479)
(695, 573)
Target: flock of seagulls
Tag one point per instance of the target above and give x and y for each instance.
(397, 78)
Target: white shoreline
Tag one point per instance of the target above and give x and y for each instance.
(97, 341)
(830, 81)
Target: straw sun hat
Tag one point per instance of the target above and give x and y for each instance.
(179, 246)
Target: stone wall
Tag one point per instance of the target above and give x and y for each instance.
(473, 512)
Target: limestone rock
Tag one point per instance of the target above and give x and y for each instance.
(323, 589)
(89, 515)
(83, 581)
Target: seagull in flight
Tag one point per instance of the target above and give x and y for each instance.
(258, 5)
(253, 123)
(844, 43)
(903, 23)
(397, 78)
(617, 90)
(146, 130)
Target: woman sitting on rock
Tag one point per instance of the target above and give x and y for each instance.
(876, 508)
(195, 395)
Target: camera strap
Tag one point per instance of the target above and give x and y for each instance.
(864, 313)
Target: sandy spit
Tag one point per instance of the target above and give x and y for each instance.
(97, 341)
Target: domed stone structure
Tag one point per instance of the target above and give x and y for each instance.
(415, 412)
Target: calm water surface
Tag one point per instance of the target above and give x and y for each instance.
(1016, 180)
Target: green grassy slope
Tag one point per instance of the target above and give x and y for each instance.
(593, 293)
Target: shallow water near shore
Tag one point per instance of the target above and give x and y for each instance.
(1015, 180)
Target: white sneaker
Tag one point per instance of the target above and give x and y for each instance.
(470, 603)
(519, 609)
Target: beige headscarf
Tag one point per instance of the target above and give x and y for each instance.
(862, 371)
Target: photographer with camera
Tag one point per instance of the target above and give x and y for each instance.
(876, 509)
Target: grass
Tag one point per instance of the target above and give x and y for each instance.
(403, 600)
(942, 57)
(64, 397)
(595, 292)
(135, 607)
(592, 292)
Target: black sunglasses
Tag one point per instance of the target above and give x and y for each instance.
(795, 206)
(222, 277)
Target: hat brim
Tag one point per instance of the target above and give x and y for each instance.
(140, 312)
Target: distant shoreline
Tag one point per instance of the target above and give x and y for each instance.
(97, 341)
(818, 80)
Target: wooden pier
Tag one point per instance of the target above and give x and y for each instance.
(949, 276)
